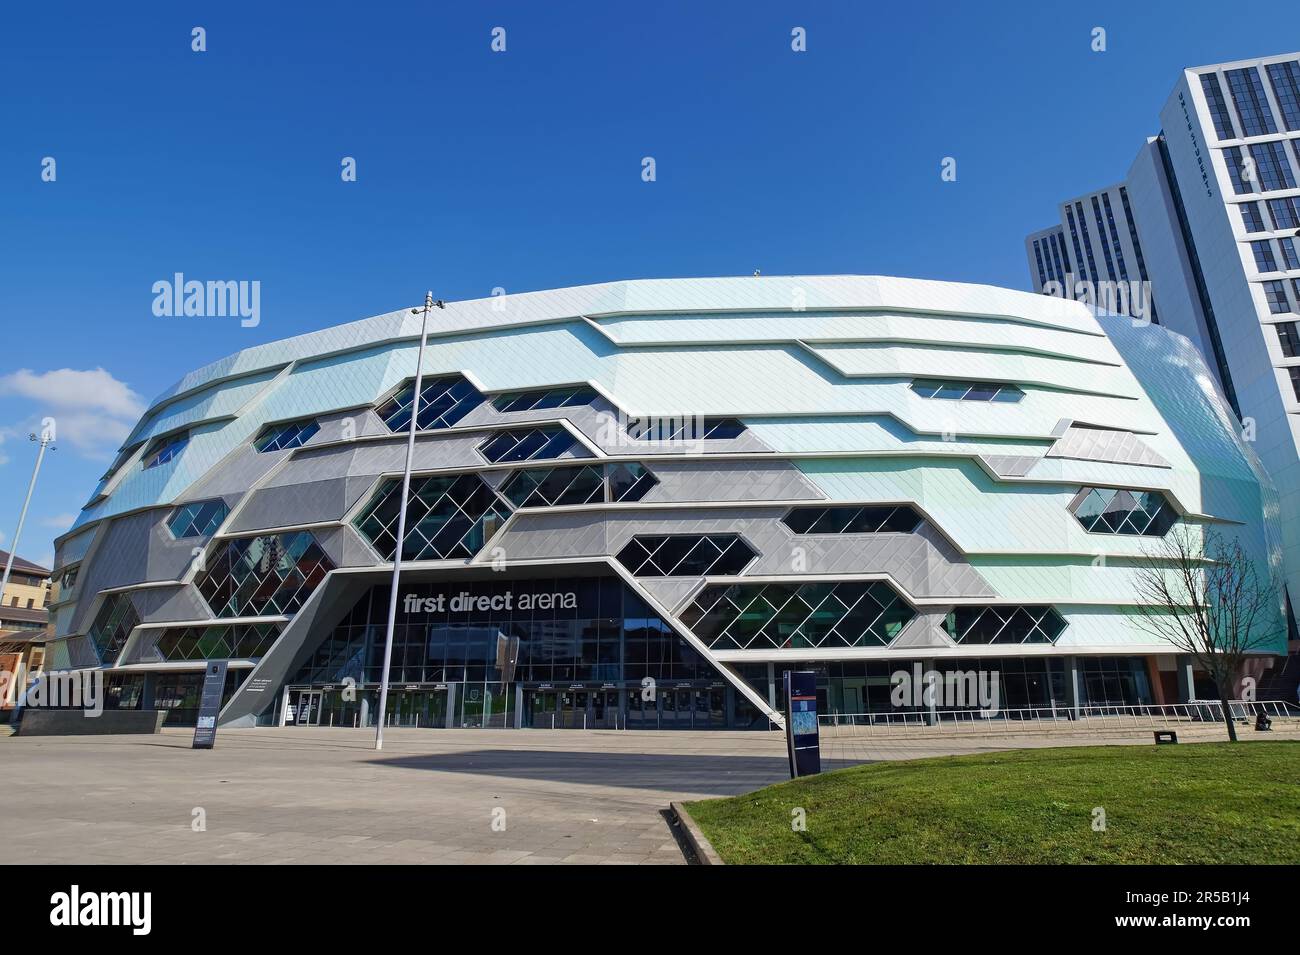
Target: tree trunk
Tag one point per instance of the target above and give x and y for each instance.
(1227, 718)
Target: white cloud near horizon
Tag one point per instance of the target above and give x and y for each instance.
(93, 411)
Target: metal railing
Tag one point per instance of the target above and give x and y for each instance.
(1093, 717)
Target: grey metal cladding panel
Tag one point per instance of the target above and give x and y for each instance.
(314, 502)
(600, 423)
(345, 425)
(75, 548)
(232, 476)
(924, 630)
(924, 563)
(541, 535)
(703, 480)
(1102, 444)
(137, 548)
(81, 653)
(144, 648)
(671, 592)
(345, 546)
(948, 570)
(449, 451)
(168, 604)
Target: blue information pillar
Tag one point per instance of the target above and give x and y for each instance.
(801, 723)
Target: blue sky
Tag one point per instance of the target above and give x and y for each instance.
(519, 169)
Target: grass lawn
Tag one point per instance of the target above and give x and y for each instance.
(1190, 803)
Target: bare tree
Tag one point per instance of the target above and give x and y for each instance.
(1202, 593)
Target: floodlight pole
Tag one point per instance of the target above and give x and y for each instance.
(429, 303)
(43, 439)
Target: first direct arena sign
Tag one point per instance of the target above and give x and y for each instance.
(466, 602)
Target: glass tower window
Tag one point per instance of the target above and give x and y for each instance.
(1114, 236)
(1108, 510)
(1263, 252)
(1275, 294)
(1105, 243)
(1272, 166)
(989, 625)
(1285, 80)
(1288, 335)
(1252, 105)
(1285, 212)
(197, 519)
(1218, 108)
(448, 517)
(1087, 241)
(1251, 219)
(1074, 238)
(281, 437)
(1237, 171)
(443, 402)
(268, 575)
(165, 449)
(686, 555)
(1286, 246)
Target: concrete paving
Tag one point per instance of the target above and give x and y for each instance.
(303, 795)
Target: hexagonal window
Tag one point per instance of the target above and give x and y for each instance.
(268, 575)
(198, 518)
(1108, 510)
(229, 641)
(113, 624)
(989, 625)
(530, 444)
(447, 517)
(443, 402)
(289, 434)
(853, 519)
(686, 555)
(797, 616)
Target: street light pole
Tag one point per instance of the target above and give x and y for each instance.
(429, 303)
(44, 438)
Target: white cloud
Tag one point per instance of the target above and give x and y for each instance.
(94, 390)
(59, 521)
(92, 410)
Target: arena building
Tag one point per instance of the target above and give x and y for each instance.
(636, 504)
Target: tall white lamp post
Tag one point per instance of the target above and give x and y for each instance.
(429, 304)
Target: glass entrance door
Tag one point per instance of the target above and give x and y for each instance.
(541, 709)
(604, 710)
(304, 708)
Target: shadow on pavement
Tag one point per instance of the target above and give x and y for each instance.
(687, 773)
